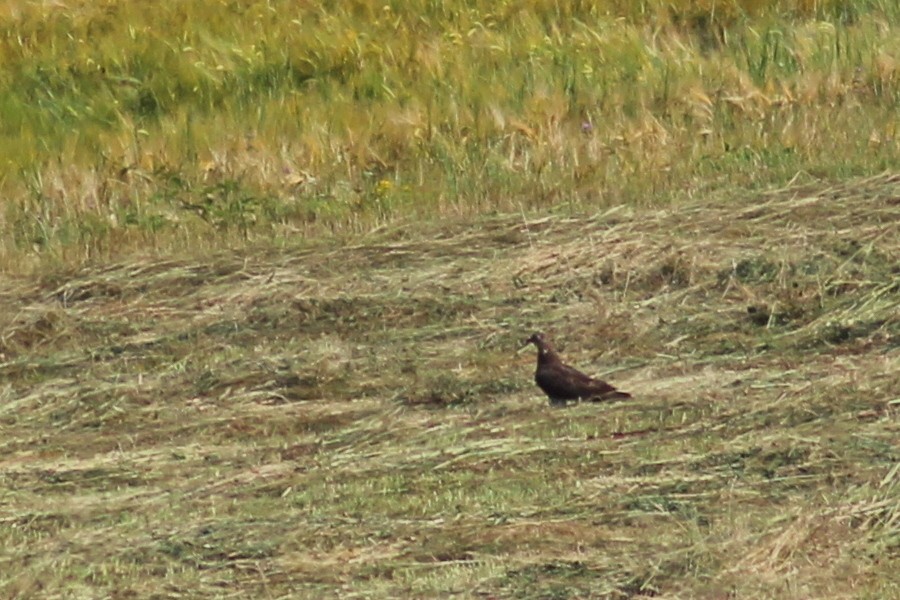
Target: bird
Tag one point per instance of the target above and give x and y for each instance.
(562, 383)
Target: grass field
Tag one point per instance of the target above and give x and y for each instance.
(351, 419)
(265, 269)
(129, 126)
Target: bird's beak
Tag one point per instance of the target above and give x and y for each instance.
(523, 347)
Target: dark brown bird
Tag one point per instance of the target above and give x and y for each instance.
(562, 383)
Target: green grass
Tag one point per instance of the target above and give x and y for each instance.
(136, 127)
(350, 419)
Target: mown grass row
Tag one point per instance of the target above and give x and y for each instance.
(126, 126)
(351, 420)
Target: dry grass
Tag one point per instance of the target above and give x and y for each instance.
(350, 419)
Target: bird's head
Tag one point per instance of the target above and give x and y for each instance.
(546, 351)
(536, 338)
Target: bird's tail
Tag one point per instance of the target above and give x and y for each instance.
(613, 395)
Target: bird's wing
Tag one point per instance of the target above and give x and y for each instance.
(601, 388)
(562, 381)
(588, 384)
(575, 375)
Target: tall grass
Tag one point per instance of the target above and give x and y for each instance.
(131, 125)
